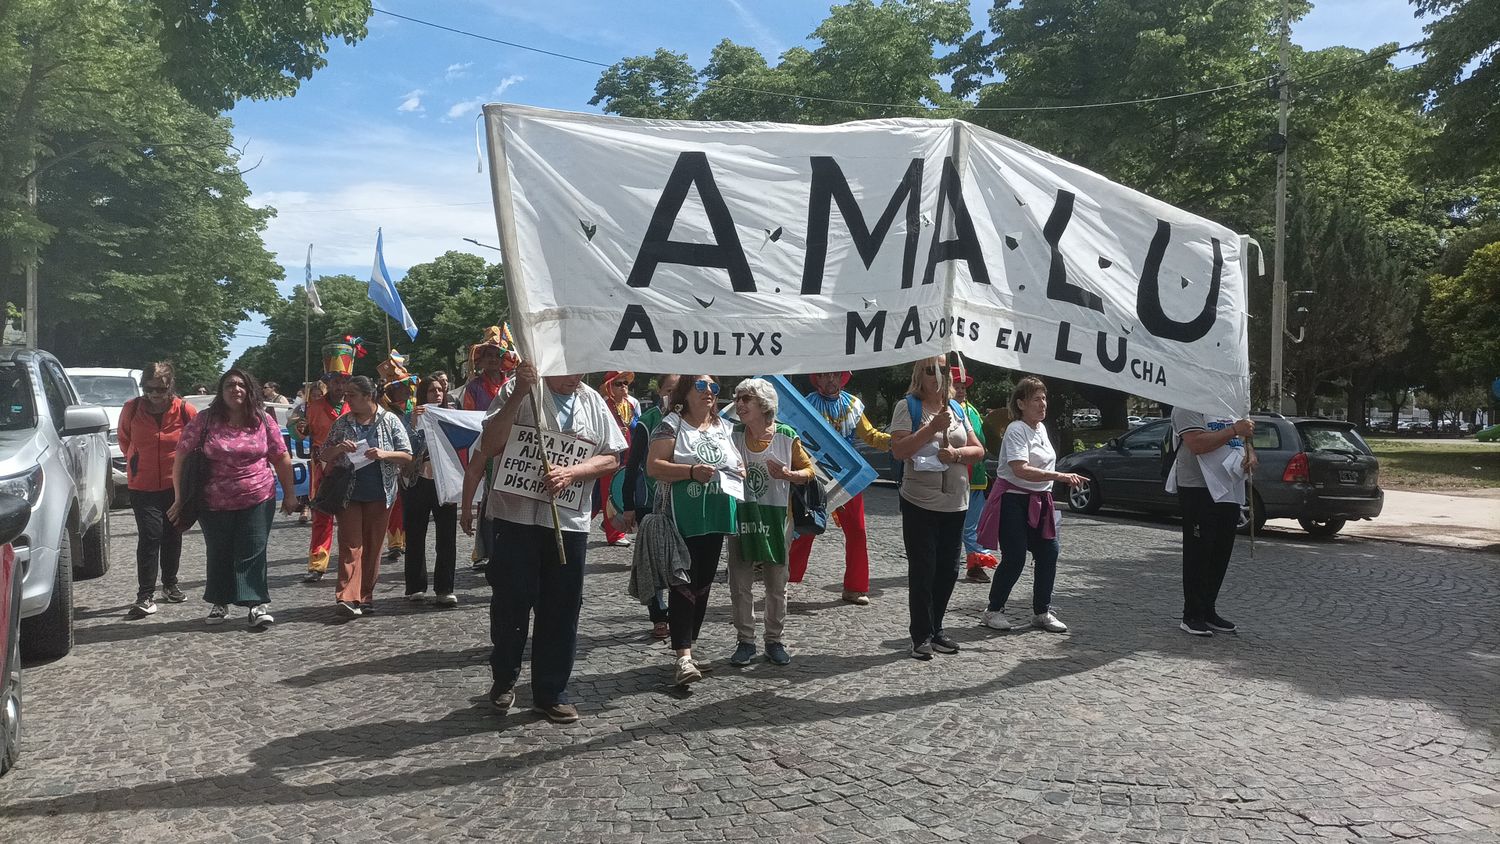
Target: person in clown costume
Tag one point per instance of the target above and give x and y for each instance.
(318, 416)
(625, 409)
(846, 415)
(398, 395)
(492, 361)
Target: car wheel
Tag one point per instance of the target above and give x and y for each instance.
(10, 688)
(1322, 527)
(1084, 498)
(95, 556)
(50, 635)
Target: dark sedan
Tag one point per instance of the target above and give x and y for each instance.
(1317, 471)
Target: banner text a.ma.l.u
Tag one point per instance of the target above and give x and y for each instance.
(736, 248)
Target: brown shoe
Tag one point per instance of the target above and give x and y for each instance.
(856, 598)
(977, 575)
(661, 630)
(558, 713)
(502, 699)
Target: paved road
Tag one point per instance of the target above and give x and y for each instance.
(1362, 703)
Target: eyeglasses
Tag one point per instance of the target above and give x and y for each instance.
(703, 386)
(156, 389)
(743, 397)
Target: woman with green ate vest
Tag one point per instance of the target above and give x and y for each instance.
(692, 454)
(774, 460)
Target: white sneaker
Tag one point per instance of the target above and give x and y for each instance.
(996, 620)
(687, 672)
(1048, 622)
(217, 612)
(446, 600)
(622, 542)
(261, 616)
(416, 597)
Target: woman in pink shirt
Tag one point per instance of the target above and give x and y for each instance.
(241, 445)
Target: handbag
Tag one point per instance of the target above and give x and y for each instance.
(194, 480)
(334, 487)
(809, 509)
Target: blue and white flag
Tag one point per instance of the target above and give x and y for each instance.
(450, 434)
(383, 291)
(314, 301)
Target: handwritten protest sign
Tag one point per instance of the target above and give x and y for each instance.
(521, 464)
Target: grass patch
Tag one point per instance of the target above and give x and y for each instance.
(1437, 466)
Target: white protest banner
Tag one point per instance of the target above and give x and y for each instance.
(737, 248)
(521, 464)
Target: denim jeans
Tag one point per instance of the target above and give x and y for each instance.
(529, 578)
(1017, 537)
(971, 523)
(934, 544)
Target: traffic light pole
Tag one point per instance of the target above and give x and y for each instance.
(1278, 271)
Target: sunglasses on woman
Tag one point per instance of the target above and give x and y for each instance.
(703, 386)
(933, 370)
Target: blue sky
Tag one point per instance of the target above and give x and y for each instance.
(384, 135)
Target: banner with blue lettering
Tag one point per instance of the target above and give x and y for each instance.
(735, 248)
(301, 454)
(841, 471)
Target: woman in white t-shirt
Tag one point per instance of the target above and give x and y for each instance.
(1028, 516)
(930, 434)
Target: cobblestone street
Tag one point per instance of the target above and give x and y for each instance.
(1360, 702)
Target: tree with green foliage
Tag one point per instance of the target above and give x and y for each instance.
(451, 298)
(1463, 316)
(1467, 34)
(1363, 301)
(142, 232)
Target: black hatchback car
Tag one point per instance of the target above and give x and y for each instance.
(1317, 471)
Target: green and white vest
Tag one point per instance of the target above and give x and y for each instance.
(763, 519)
(701, 509)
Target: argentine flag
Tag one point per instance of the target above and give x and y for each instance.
(383, 291)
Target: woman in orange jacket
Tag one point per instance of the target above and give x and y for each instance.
(150, 427)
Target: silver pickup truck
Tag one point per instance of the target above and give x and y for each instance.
(54, 455)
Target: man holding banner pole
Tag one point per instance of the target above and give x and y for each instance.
(846, 415)
(577, 443)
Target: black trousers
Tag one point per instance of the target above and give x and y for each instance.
(688, 602)
(419, 503)
(1208, 530)
(529, 578)
(934, 554)
(158, 545)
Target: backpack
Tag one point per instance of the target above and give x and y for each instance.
(914, 410)
(1169, 446)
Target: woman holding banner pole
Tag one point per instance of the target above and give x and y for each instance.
(693, 456)
(930, 433)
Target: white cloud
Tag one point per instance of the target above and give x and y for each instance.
(468, 108)
(765, 39)
(457, 71)
(412, 101)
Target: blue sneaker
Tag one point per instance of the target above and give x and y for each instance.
(776, 653)
(743, 654)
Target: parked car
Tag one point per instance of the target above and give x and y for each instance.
(110, 389)
(1317, 471)
(53, 455)
(13, 517)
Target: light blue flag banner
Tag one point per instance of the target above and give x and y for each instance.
(383, 290)
(841, 471)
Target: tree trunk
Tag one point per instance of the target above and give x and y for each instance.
(1111, 404)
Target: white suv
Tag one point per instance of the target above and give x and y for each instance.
(54, 456)
(110, 389)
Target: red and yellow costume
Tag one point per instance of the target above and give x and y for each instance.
(319, 416)
(624, 414)
(846, 415)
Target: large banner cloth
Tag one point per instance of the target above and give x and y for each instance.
(736, 248)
